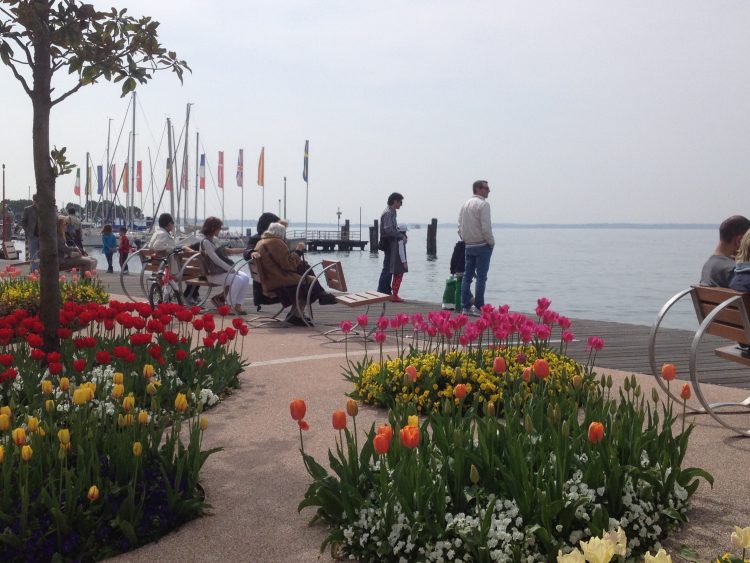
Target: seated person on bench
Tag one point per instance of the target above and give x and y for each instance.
(281, 272)
(719, 268)
(263, 221)
(741, 279)
(70, 257)
(220, 267)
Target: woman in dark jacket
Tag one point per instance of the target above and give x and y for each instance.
(263, 222)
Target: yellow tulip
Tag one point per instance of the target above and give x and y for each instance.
(597, 550)
(413, 420)
(41, 432)
(93, 493)
(619, 540)
(125, 420)
(741, 537)
(4, 422)
(148, 371)
(118, 390)
(64, 436)
(151, 389)
(26, 453)
(574, 556)
(19, 436)
(91, 386)
(181, 402)
(32, 423)
(128, 403)
(143, 417)
(47, 387)
(81, 396)
(49, 405)
(118, 378)
(204, 423)
(660, 557)
(64, 384)
(137, 449)
(474, 474)
(2, 453)
(6, 410)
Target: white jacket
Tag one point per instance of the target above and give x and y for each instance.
(475, 223)
(161, 240)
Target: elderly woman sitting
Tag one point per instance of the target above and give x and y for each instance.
(221, 268)
(70, 257)
(281, 272)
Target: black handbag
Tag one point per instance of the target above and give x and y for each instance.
(383, 244)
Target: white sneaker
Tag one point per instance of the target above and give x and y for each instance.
(472, 312)
(448, 306)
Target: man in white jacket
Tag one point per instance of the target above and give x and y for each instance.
(475, 229)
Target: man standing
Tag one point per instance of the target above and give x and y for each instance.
(719, 268)
(475, 229)
(389, 237)
(30, 224)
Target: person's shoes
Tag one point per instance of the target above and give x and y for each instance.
(110, 271)
(448, 307)
(396, 299)
(297, 321)
(327, 299)
(472, 312)
(217, 300)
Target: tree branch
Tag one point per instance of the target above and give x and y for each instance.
(68, 93)
(25, 49)
(21, 79)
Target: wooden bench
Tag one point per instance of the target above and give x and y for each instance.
(721, 312)
(9, 251)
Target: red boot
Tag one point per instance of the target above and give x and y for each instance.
(395, 285)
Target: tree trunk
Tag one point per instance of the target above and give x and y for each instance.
(49, 285)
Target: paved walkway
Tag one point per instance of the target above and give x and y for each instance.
(257, 481)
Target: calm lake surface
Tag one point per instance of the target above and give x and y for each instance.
(620, 274)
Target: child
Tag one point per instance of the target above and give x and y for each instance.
(123, 249)
(399, 265)
(109, 244)
(452, 292)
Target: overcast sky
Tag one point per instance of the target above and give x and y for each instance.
(590, 111)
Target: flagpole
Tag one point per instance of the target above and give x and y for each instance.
(305, 177)
(284, 198)
(197, 175)
(88, 186)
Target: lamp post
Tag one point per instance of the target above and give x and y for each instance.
(338, 220)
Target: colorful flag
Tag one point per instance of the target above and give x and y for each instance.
(221, 169)
(262, 167)
(99, 179)
(112, 179)
(202, 173)
(240, 172)
(184, 179)
(125, 178)
(168, 183)
(304, 166)
(77, 186)
(138, 176)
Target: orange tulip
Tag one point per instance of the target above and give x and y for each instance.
(381, 443)
(411, 373)
(527, 374)
(19, 436)
(298, 408)
(596, 432)
(338, 420)
(303, 425)
(410, 436)
(459, 391)
(386, 430)
(498, 365)
(685, 393)
(93, 493)
(668, 372)
(352, 408)
(541, 368)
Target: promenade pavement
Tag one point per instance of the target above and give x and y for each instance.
(256, 482)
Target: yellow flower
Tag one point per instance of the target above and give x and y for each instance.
(204, 423)
(619, 540)
(143, 417)
(2, 453)
(93, 493)
(151, 389)
(32, 423)
(660, 557)
(19, 436)
(26, 453)
(117, 390)
(49, 405)
(597, 550)
(474, 474)
(137, 449)
(4, 422)
(128, 403)
(64, 436)
(148, 371)
(126, 420)
(47, 387)
(6, 410)
(574, 556)
(81, 396)
(118, 378)
(181, 402)
(64, 384)
(741, 537)
(413, 420)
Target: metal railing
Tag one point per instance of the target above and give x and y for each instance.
(318, 235)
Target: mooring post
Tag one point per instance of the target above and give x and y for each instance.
(432, 238)
(374, 234)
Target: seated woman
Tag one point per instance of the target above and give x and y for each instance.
(69, 257)
(280, 272)
(741, 279)
(263, 221)
(220, 268)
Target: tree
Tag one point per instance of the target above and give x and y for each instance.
(41, 38)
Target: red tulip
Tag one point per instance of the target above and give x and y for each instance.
(527, 374)
(380, 337)
(338, 420)
(685, 393)
(668, 372)
(498, 365)
(596, 432)
(410, 436)
(298, 408)
(381, 443)
(459, 391)
(541, 368)
(386, 430)
(411, 373)
(303, 425)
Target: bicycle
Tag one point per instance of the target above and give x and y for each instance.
(164, 286)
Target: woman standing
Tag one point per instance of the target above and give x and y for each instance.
(109, 245)
(221, 268)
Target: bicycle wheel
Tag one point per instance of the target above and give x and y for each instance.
(155, 295)
(171, 293)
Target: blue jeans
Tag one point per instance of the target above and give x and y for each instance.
(33, 247)
(384, 283)
(477, 263)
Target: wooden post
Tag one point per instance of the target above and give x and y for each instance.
(374, 234)
(432, 238)
(345, 230)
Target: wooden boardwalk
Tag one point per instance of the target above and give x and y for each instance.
(626, 345)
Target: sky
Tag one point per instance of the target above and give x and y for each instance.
(574, 111)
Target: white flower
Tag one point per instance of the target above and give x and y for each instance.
(574, 556)
(741, 537)
(619, 540)
(598, 550)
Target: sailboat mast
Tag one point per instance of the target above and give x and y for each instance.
(197, 175)
(132, 173)
(105, 215)
(88, 185)
(184, 175)
(170, 166)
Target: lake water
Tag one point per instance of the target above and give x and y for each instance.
(622, 275)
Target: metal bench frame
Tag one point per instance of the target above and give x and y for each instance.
(720, 312)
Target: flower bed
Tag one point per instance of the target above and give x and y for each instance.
(100, 443)
(568, 460)
(22, 292)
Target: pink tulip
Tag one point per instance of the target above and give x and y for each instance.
(498, 365)
(382, 323)
(380, 337)
(346, 327)
(362, 320)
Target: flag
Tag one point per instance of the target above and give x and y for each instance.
(138, 176)
(77, 186)
(168, 183)
(262, 167)
(99, 179)
(221, 169)
(112, 180)
(202, 172)
(304, 166)
(88, 180)
(184, 179)
(240, 173)
(125, 178)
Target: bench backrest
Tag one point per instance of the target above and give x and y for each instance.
(151, 259)
(9, 251)
(334, 273)
(733, 322)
